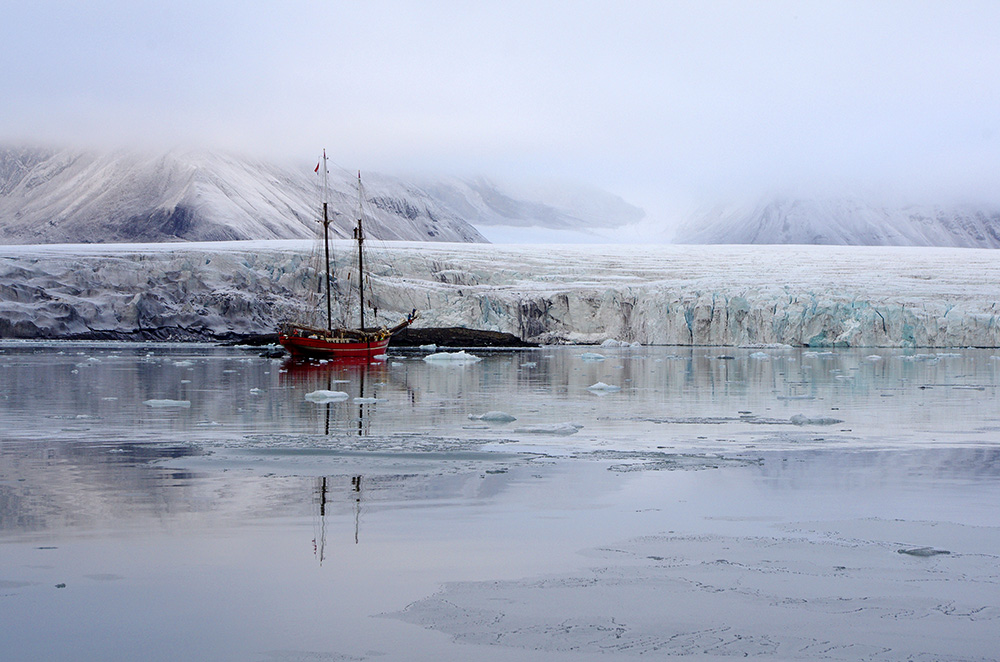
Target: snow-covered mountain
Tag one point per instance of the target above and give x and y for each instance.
(846, 221)
(94, 197)
(51, 196)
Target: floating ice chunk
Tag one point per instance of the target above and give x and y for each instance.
(167, 403)
(493, 417)
(529, 364)
(365, 401)
(256, 391)
(554, 428)
(591, 356)
(873, 357)
(452, 357)
(183, 364)
(923, 551)
(395, 364)
(322, 396)
(799, 419)
(601, 387)
(611, 342)
(381, 357)
(761, 356)
(428, 348)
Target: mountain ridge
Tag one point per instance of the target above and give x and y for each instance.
(80, 196)
(850, 221)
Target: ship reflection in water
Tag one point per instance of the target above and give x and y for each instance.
(323, 497)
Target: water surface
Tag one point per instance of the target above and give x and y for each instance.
(186, 501)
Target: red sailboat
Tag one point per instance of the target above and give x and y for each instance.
(363, 342)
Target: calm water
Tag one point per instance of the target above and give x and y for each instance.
(190, 502)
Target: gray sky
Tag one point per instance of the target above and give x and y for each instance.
(662, 102)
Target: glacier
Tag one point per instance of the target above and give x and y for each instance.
(721, 295)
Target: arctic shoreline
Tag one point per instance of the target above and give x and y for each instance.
(671, 295)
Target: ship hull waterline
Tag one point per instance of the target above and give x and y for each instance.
(320, 348)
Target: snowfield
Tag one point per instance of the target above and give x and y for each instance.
(817, 296)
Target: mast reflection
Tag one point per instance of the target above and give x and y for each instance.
(361, 380)
(323, 497)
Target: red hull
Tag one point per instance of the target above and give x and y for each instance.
(321, 348)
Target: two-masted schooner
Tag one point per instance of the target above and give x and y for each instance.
(304, 341)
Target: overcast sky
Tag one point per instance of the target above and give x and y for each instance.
(662, 102)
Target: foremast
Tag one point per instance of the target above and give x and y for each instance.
(326, 243)
(360, 236)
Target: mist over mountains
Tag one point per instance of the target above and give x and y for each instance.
(848, 221)
(73, 196)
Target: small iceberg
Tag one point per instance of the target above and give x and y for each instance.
(322, 396)
(800, 419)
(923, 551)
(761, 356)
(601, 387)
(611, 342)
(428, 348)
(554, 428)
(452, 357)
(167, 403)
(591, 356)
(493, 417)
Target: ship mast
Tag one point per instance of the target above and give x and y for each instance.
(326, 245)
(359, 235)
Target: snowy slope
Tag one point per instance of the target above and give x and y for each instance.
(187, 195)
(846, 222)
(72, 196)
(817, 296)
(552, 206)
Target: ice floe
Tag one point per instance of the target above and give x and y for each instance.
(800, 419)
(323, 396)
(592, 356)
(452, 357)
(493, 417)
(167, 403)
(552, 428)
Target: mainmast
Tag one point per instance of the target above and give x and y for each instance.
(360, 236)
(326, 244)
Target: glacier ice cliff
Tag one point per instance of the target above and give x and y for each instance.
(816, 296)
